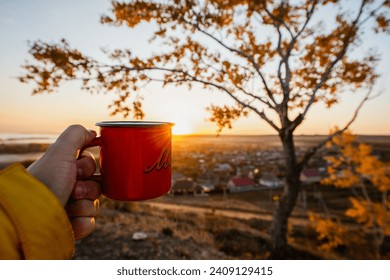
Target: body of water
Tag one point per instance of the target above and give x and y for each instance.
(6, 159)
(22, 138)
(22, 147)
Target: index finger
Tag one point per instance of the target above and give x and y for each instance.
(86, 189)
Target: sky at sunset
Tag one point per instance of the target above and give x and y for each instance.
(78, 21)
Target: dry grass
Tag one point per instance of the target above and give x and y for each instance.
(173, 235)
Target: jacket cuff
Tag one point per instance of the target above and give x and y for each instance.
(40, 221)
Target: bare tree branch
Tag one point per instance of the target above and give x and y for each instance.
(285, 82)
(373, 12)
(243, 54)
(309, 14)
(279, 19)
(298, 120)
(312, 151)
(240, 88)
(192, 78)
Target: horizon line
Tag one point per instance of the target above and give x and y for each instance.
(254, 135)
(198, 134)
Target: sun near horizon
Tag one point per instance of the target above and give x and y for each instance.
(182, 128)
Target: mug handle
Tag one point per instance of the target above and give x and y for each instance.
(95, 142)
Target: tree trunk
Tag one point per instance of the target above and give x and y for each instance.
(287, 200)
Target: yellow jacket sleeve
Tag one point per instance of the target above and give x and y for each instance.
(33, 223)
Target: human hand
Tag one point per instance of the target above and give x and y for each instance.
(67, 177)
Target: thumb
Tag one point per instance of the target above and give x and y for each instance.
(74, 138)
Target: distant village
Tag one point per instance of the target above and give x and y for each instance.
(201, 170)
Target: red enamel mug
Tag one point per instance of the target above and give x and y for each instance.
(135, 159)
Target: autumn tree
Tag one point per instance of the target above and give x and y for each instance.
(273, 58)
(355, 167)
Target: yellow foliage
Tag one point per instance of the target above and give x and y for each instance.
(360, 212)
(356, 163)
(330, 232)
(370, 214)
(353, 167)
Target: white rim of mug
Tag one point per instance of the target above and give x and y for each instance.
(132, 123)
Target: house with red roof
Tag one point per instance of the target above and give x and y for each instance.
(241, 184)
(309, 176)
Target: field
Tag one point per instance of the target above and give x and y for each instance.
(205, 228)
(182, 229)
